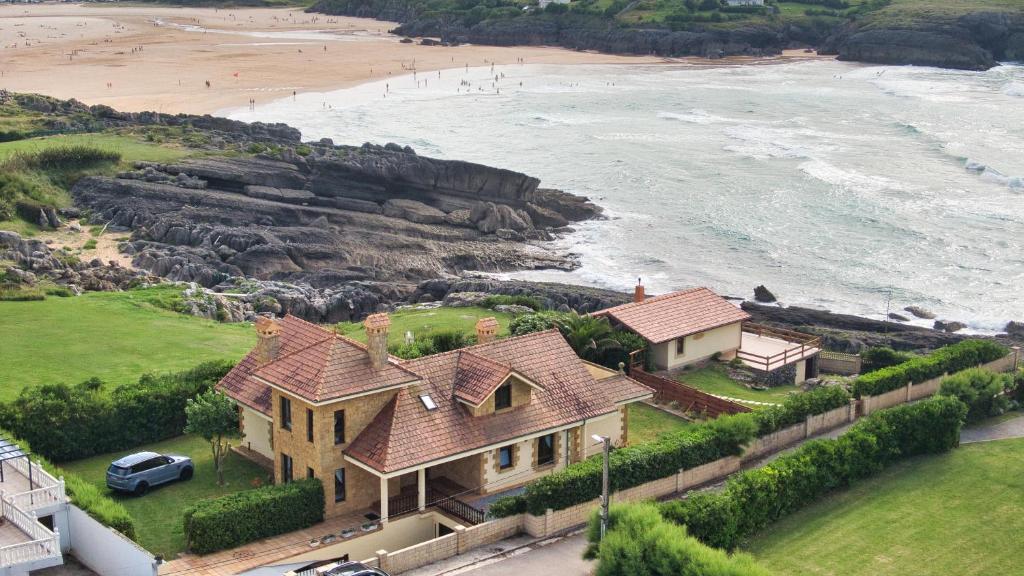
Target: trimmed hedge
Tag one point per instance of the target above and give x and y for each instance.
(796, 408)
(71, 422)
(85, 495)
(640, 542)
(635, 465)
(243, 517)
(981, 390)
(754, 499)
(954, 358)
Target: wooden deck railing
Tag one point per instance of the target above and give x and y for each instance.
(802, 345)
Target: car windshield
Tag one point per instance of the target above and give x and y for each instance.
(118, 471)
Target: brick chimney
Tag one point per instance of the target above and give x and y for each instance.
(377, 326)
(269, 343)
(638, 292)
(486, 330)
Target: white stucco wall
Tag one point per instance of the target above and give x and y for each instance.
(104, 551)
(256, 432)
(610, 426)
(724, 340)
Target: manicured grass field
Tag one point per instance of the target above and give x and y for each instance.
(959, 513)
(646, 423)
(158, 515)
(116, 336)
(714, 380)
(421, 322)
(131, 148)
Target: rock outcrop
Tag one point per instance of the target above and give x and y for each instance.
(34, 261)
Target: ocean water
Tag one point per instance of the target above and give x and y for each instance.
(837, 185)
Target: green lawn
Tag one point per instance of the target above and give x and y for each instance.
(132, 149)
(158, 515)
(960, 513)
(421, 322)
(714, 380)
(116, 336)
(646, 423)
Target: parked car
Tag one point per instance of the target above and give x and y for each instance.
(143, 470)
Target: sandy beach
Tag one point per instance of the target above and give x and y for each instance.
(160, 58)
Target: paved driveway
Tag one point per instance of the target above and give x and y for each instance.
(563, 557)
(1010, 428)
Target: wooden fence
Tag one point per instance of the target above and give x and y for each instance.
(689, 399)
(840, 363)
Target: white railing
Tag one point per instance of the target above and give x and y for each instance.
(45, 489)
(40, 477)
(40, 497)
(42, 544)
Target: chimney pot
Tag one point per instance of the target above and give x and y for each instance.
(377, 326)
(269, 343)
(486, 330)
(638, 292)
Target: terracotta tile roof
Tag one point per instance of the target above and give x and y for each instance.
(330, 369)
(477, 377)
(406, 434)
(239, 384)
(670, 316)
(313, 363)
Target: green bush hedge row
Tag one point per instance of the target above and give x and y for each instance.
(981, 390)
(639, 542)
(84, 494)
(635, 465)
(752, 500)
(71, 422)
(954, 358)
(243, 517)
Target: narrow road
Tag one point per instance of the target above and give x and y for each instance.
(563, 557)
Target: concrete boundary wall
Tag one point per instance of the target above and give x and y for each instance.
(105, 551)
(553, 522)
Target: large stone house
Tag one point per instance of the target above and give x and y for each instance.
(400, 435)
(690, 326)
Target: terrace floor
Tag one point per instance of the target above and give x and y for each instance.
(767, 347)
(11, 534)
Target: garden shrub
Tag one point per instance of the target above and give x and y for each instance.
(949, 359)
(754, 499)
(538, 322)
(236, 519)
(981, 390)
(71, 422)
(797, 407)
(880, 357)
(508, 506)
(639, 542)
(75, 156)
(517, 300)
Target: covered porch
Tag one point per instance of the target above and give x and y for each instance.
(767, 349)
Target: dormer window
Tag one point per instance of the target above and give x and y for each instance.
(503, 396)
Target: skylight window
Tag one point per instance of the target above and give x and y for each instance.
(428, 402)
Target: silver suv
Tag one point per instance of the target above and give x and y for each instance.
(141, 471)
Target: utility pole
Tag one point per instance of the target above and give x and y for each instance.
(604, 481)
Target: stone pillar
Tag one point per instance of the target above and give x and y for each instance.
(462, 543)
(853, 410)
(910, 385)
(382, 559)
(1016, 357)
(486, 330)
(807, 427)
(421, 487)
(383, 499)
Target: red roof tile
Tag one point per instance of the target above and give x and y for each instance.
(415, 435)
(670, 316)
(477, 377)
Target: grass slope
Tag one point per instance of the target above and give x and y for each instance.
(421, 322)
(116, 336)
(158, 515)
(132, 149)
(958, 513)
(714, 380)
(646, 423)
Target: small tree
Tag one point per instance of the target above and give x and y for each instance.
(213, 416)
(590, 336)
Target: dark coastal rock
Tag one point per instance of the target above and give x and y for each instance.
(898, 317)
(949, 326)
(555, 296)
(413, 211)
(762, 294)
(1015, 329)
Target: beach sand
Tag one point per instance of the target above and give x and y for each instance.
(137, 58)
(160, 58)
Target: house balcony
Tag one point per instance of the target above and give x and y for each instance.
(767, 349)
(30, 489)
(444, 495)
(25, 544)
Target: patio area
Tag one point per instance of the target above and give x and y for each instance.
(768, 349)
